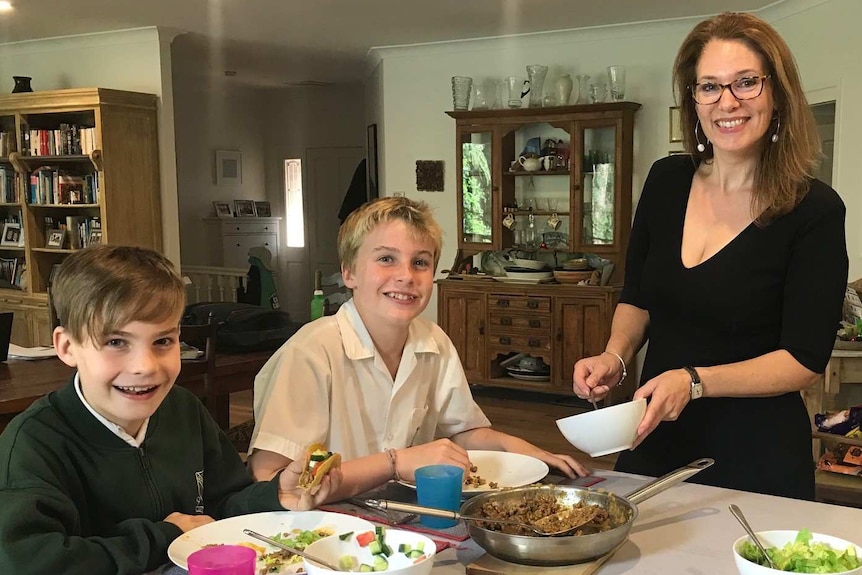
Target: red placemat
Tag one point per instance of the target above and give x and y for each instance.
(456, 533)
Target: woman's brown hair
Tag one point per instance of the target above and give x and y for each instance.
(786, 166)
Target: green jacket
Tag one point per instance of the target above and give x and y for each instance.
(77, 499)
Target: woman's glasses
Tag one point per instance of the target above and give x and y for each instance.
(745, 88)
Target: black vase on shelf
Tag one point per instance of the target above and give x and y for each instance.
(22, 84)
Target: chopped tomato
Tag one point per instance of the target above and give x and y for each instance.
(419, 559)
(365, 538)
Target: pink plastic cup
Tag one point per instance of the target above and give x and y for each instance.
(223, 560)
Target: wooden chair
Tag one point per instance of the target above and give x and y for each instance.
(198, 374)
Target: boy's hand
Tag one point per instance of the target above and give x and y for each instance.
(439, 452)
(188, 522)
(295, 498)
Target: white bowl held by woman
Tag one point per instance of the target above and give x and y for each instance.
(604, 431)
(333, 550)
(780, 539)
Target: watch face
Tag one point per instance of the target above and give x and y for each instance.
(696, 390)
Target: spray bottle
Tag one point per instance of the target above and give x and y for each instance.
(317, 300)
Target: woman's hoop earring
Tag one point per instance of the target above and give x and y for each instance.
(774, 137)
(702, 147)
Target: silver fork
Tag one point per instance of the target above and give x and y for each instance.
(402, 521)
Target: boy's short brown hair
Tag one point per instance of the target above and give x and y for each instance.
(368, 216)
(102, 288)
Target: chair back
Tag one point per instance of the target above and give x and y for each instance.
(198, 374)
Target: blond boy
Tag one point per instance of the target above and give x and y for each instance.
(100, 476)
(376, 382)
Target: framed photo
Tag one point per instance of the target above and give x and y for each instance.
(244, 208)
(371, 152)
(56, 238)
(222, 209)
(228, 167)
(675, 123)
(12, 236)
(95, 237)
(263, 209)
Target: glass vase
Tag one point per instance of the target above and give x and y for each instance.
(536, 77)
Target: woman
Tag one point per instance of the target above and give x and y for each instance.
(735, 273)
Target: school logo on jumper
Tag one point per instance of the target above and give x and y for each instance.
(199, 501)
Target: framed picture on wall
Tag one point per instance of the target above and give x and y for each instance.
(371, 152)
(675, 125)
(263, 209)
(228, 167)
(244, 208)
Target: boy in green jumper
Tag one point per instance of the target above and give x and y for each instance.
(101, 476)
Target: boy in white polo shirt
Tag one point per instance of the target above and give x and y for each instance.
(376, 382)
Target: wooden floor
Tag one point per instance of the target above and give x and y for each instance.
(530, 416)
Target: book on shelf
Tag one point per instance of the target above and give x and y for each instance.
(10, 272)
(66, 140)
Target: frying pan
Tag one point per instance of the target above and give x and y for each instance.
(567, 549)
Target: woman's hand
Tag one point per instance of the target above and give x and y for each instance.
(670, 392)
(595, 376)
(442, 451)
(295, 498)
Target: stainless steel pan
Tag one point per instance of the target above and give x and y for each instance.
(568, 549)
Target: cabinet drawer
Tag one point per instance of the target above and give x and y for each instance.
(502, 322)
(519, 303)
(236, 248)
(521, 343)
(248, 228)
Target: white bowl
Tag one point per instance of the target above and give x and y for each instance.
(533, 275)
(780, 539)
(332, 549)
(530, 264)
(603, 431)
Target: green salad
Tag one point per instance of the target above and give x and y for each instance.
(804, 556)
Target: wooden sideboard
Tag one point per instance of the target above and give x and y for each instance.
(489, 321)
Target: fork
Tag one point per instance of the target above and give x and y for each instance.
(385, 514)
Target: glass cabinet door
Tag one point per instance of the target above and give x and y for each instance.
(536, 184)
(476, 210)
(599, 189)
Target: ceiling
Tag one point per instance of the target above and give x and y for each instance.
(278, 42)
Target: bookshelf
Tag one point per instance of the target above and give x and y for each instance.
(83, 162)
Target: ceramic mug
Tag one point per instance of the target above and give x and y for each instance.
(549, 162)
(530, 164)
(509, 221)
(554, 221)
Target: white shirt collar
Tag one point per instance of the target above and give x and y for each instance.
(359, 345)
(113, 427)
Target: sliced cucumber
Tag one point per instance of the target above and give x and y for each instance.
(420, 545)
(375, 547)
(404, 548)
(415, 554)
(366, 568)
(348, 562)
(380, 563)
(346, 536)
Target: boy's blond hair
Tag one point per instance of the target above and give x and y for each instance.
(360, 222)
(102, 288)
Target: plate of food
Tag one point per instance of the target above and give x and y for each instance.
(295, 528)
(495, 470)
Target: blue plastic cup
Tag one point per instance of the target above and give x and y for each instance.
(223, 560)
(439, 486)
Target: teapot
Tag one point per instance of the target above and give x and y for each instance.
(530, 164)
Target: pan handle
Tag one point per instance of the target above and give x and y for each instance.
(656, 486)
(387, 505)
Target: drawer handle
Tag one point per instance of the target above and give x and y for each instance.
(503, 303)
(534, 342)
(266, 228)
(505, 340)
(532, 304)
(237, 228)
(237, 245)
(505, 321)
(535, 323)
(482, 327)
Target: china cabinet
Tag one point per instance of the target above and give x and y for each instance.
(575, 199)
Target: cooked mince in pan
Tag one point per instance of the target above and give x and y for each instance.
(535, 506)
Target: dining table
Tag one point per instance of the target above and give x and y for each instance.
(686, 529)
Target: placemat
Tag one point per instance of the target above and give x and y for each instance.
(489, 565)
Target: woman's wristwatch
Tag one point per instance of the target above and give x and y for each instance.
(696, 384)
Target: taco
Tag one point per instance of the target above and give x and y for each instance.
(318, 462)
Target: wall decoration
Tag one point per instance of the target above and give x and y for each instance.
(675, 125)
(429, 175)
(371, 153)
(263, 209)
(222, 209)
(244, 208)
(228, 167)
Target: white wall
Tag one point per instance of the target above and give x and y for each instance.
(132, 60)
(821, 33)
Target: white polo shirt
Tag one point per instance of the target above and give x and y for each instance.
(328, 384)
